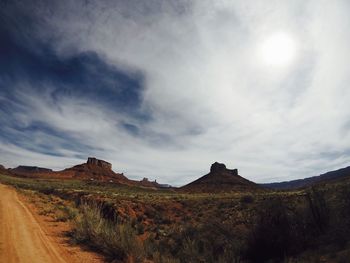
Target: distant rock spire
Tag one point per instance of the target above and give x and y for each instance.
(217, 167)
(220, 168)
(100, 163)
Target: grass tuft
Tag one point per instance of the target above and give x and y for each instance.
(116, 240)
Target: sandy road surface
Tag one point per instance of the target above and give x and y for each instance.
(21, 237)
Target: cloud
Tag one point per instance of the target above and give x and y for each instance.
(163, 89)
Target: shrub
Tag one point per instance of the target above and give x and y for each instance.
(319, 209)
(271, 235)
(116, 240)
(212, 241)
(247, 199)
(140, 228)
(47, 191)
(65, 213)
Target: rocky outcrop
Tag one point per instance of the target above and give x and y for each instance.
(100, 163)
(30, 171)
(220, 179)
(221, 168)
(94, 170)
(147, 183)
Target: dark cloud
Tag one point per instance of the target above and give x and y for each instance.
(29, 65)
(83, 75)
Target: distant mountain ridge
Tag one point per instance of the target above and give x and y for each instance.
(24, 170)
(220, 179)
(326, 177)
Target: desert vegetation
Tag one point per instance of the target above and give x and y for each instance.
(130, 224)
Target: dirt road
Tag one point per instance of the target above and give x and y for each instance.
(21, 237)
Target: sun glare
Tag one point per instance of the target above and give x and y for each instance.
(278, 50)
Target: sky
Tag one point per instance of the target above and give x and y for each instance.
(162, 89)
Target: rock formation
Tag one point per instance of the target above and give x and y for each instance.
(147, 183)
(221, 168)
(100, 163)
(93, 169)
(29, 171)
(219, 179)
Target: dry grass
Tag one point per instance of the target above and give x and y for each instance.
(165, 226)
(116, 240)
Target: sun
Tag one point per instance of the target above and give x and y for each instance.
(278, 50)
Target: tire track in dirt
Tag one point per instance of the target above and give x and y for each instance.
(21, 237)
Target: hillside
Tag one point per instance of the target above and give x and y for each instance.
(219, 179)
(3, 170)
(323, 178)
(93, 170)
(29, 171)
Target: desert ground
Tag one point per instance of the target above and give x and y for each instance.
(24, 239)
(88, 213)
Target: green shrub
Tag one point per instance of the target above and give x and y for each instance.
(65, 213)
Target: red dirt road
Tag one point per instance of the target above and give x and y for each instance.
(22, 239)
